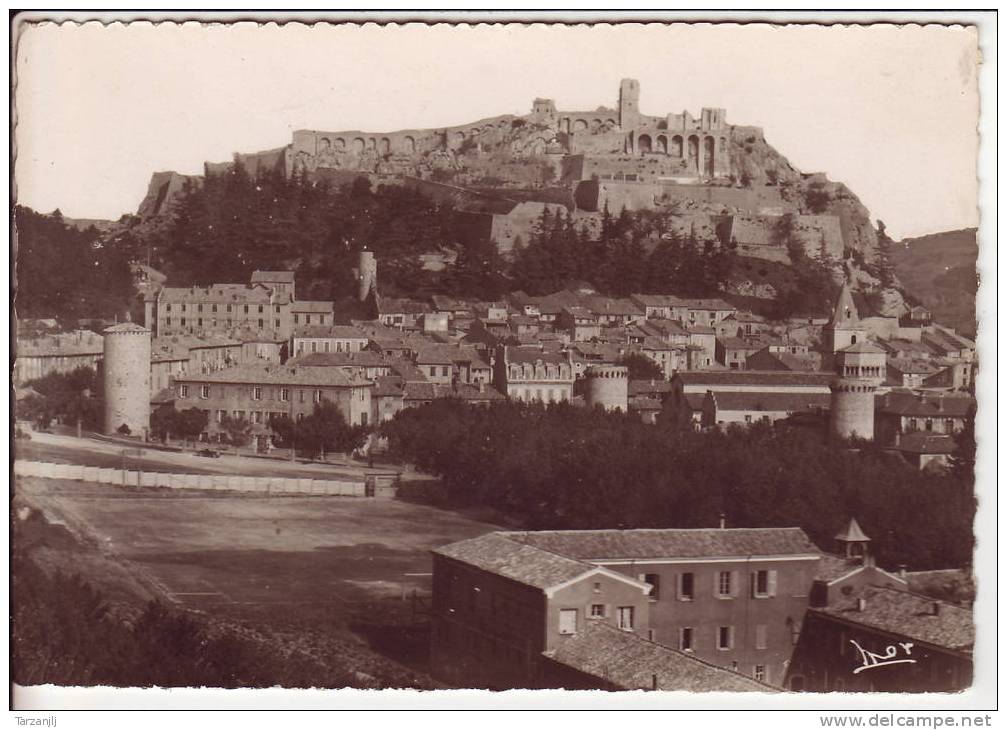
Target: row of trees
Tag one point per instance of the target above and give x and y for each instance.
(560, 467)
(66, 273)
(74, 397)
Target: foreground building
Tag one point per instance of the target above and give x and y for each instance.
(732, 598)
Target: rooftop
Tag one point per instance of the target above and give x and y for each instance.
(924, 404)
(766, 401)
(921, 442)
(713, 378)
(628, 661)
(907, 614)
(278, 375)
(669, 543)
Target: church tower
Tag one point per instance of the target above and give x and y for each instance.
(844, 329)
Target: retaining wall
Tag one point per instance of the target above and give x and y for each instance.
(215, 482)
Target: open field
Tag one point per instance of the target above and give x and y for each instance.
(320, 573)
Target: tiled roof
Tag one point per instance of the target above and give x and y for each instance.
(278, 375)
(670, 543)
(912, 365)
(496, 553)
(387, 305)
(224, 293)
(533, 355)
(701, 329)
(711, 304)
(386, 386)
(364, 358)
(712, 378)
(831, 567)
(126, 327)
(944, 582)
(852, 532)
(922, 442)
(907, 614)
(864, 347)
(302, 306)
(284, 277)
(463, 391)
(649, 387)
(935, 405)
(335, 331)
(628, 661)
(82, 342)
(749, 401)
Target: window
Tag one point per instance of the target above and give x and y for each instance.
(314, 346)
(260, 309)
(297, 319)
(568, 620)
(760, 636)
(748, 418)
(300, 395)
(653, 580)
(183, 321)
(318, 396)
(597, 610)
(199, 307)
(183, 307)
(204, 391)
(214, 307)
(724, 583)
(168, 321)
(685, 638)
(276, 308)
(725, 637)
(261, 323)
(597, 587)
(284, 394)
(433, 371)
(220, 416)
(167, 308)
(444, 372)
(256, 393)
(760, 583)
(246, 309)
(760, 672)
(624, 618)
(325, 346)
(307, 319)
(183, 391)
(686, 583)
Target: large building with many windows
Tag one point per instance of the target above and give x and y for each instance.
(532, 374)
(732, 598)
(256, 393)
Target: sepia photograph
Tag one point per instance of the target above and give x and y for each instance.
(617, 357)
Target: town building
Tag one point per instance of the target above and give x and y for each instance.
(866, 631)
(311, 338)
(530, 374)
(44, 354)
(902, 412)
(257, 393)
(732, 598)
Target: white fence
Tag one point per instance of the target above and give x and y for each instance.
(209, 482)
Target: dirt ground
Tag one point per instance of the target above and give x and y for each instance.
(294, 564)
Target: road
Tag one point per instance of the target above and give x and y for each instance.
(61, 449)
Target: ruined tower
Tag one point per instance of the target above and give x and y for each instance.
(629, 104)
(608, 386)
(367, 274)
(126, 365)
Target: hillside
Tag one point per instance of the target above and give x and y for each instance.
(939, 271)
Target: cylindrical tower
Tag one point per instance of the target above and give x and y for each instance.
(127, 378)
(367, 274)
(851, 409)
(608, 386)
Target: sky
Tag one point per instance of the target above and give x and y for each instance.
(890, 111)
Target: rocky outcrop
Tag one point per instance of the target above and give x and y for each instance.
(162, 193)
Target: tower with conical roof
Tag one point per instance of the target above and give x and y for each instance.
(852, 540)
(844, 328)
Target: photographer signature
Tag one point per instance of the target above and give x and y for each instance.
(871, 660)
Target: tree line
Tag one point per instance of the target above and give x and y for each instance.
(563, 467)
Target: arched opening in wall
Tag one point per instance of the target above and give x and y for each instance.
(385, 146)
(358, 145)
(595, 125)
(662, 144)
(693, 150)
(372, 143)
(457, 138)
(564, 125)
(409, 145)
(853, 339)
(708, 154)
(643, 144)
(324, 144)
(611, 123)
(340, 143)
(676, 146)
(579, 125)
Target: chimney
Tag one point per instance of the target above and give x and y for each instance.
(861, 604)
(723, 521)
(935, 609)
(653, 682)
(902, 571)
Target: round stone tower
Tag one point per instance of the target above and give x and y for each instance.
(608, 386)
(126, 365)
(860, 369)
(367, 273)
